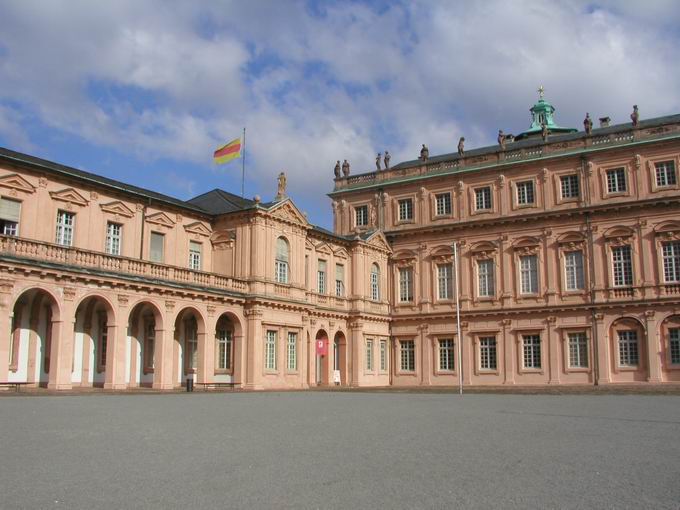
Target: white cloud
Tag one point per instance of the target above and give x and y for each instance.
(313, 88)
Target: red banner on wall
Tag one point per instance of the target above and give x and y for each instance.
(322, 347)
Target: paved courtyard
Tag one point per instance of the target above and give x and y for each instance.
(340, 450)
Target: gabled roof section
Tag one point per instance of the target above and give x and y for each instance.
(377, 239)
(286, 210)
(198, 227)
(117, 207)
(160, 218)
(219, 201)
(69, 195)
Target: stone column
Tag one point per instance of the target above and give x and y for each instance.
(254, 354)
(163, 372)
(356, 339)
(550, 272)
(603, 363)
(61, 351)
(6, 313)
(427, 358)
(116, 352)
(653, 347)
(508, 354)
(553, 345)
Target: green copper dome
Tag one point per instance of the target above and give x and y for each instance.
(543, 112)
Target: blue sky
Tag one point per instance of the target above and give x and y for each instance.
(144, 92)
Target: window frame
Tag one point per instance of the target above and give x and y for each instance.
(64, 230)
(111, 238)
(407, 356)
(522, 197)
(626, 281)
(481, 341)
(674, 258)
(368, 355)
(490, 278)
(270, 350)
(405, 285)
(475, 199)
(281, 262)
(444, 283)
(226, 340)
(160, 235)
(292, 352)
(447, 201)
(535, 279)
(625, 348)
(409, 202)
(375, 282)
(446, 355)
(607, 181)
(195, 256)
(578, 279)
(365, 214)
(575, 178)
(10, 226)
(523, 336)
(321, 276)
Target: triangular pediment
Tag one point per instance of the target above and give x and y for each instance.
(17, 182)
(197, 228)
(118, 208)
(341, 253)
(160, 218)
(378, 240)
(324, 248)
(69, 195)
(287, 211)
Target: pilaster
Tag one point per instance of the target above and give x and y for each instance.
(653, 347)
(61, 351)
(6, 314)
(553, 346)
(603, 363)
(508, 354)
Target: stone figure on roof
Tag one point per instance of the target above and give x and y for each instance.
(377, 162)
(461, 146)
(282, 181)
(387, 160)
(501, 139)
(588, 124)
(635, 116)
(336, 170)
(424, 153)
(345, 168)
(544, 131)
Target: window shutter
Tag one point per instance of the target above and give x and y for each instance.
(340, 272)
(10, 210)
(281, 250)
(322, 266)
(156, 253)
(195, 247)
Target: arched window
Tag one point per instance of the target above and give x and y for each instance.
(375, 282)
(224, 346)
(281, 264)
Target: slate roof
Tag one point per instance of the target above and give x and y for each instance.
(219, 201)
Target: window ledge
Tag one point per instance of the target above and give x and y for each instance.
(484, 371)
(581, 370)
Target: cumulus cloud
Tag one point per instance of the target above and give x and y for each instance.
(315, 82)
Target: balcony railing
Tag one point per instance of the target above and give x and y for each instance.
(21, 247)
(510, 154)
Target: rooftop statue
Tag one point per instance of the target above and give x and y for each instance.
(345, 168)
(635, 116)
(588, 124)
(387, 160)
(282, 181)
(461, 146)
(336, 170)
(501, 139)
(424, 153)
(377, 162)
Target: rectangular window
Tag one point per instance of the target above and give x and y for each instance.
(339, 280)
(486, 278)
(443, 204)
(224, 347)
(10, 213)
(321, 277)
(405, 284)
(528, 265)
(65, 221)
(665, 173)
(483, 199)
(573, 270)
(444, 281)
(375, 284)
(622, 266)
(383, 355)
(361, 215)
(674, 345)
(532, 351)
(525, 193)
(291, 352)
(671, 262)
(369, 355)
(578, 350)
(281, 271)
(270, 350)
(616, 180)
(113, 236)
(194, 255)
(446, 357)
(569, 184)
(407, 355)
(157, 247)
(628, 348)
(406, 209)
(487, 353)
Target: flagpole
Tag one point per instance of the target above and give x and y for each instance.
(460, 338)
(243, 166)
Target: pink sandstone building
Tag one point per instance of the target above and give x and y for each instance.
(569, 264)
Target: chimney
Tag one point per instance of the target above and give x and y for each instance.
(604, 122)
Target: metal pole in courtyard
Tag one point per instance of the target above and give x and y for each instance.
(460, 338)
(243, 166)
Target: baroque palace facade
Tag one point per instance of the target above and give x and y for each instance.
(569, 264)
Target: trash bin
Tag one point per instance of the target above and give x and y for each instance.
(190, 384)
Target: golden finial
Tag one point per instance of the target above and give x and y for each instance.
(541, 90)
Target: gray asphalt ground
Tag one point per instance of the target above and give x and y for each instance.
(340, 450)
